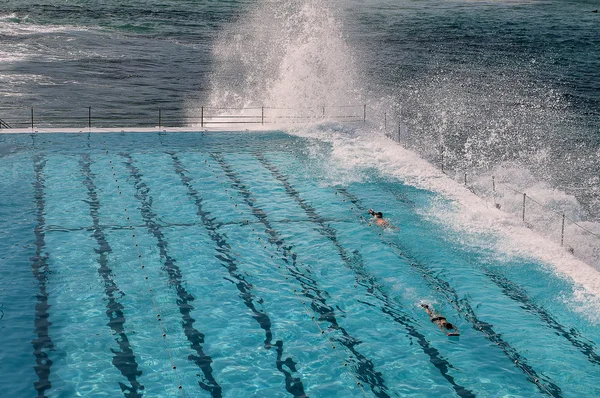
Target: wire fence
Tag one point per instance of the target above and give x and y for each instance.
(558, 223)
(203, 117)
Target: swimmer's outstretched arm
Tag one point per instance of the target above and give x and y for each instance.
(426, 307)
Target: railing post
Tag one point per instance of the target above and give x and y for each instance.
(494, 192)
(262, 115)
(90, 117)
(159, 117)
(201, 116)
(32, 117)
(365, 113)
(385, 121)
(465, 179)
(562, 231)
(524, 199)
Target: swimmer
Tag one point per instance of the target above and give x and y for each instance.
(379, 219)
(439, 320)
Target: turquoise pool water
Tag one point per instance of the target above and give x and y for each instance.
(226, 264)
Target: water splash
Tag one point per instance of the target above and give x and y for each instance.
(285, 54)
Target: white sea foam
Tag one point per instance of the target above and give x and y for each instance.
(46, 42)
(9, 27)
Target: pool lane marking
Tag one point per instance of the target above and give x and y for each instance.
(293, 384)
(58, 228)
(463, 307)
(295, 291)
(145, 274)
(124, 359)
(363, 278)
(518, 294)
(42, 344)
(365, 367)
(185, 299)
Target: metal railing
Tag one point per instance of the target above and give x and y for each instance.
(552, 222)
(204, 117)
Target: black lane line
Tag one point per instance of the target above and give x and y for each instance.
(365, 368)
(42, 344)
(293, 384)
(355, 263)
(516, 293)
(184, 298)
(439, 284)
(58, 228)
(124, 358)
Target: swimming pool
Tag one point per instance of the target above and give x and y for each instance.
(230, 264)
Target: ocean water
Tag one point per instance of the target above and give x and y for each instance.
(505, 89)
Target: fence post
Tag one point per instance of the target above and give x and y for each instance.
(32, 117)
(90, 117)
(524, 199)
(365, 113)
(562, 231)
(159, 117)
(442, 156)
(201, 116)
(465, 179)
(494, 192)
(385, 121)
(262, 115)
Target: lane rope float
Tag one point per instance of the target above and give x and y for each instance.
(146, 278)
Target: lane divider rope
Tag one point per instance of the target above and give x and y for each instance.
(311, 314)
(146, 278)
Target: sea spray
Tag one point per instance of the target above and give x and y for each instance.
(290, 55)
